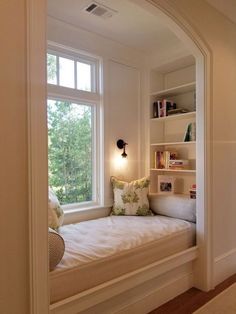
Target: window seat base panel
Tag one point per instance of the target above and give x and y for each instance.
(137, 292)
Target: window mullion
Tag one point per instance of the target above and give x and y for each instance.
(75, 66)
(58, 68)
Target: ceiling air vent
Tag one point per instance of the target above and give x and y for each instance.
(99, 10)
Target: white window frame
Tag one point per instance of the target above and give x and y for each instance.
(93, 99)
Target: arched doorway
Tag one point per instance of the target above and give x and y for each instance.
(37, 119)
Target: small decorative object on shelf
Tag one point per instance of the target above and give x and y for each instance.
(190, 133)
(177, 111)
(166, 184)
(193, 191)
(178, 164)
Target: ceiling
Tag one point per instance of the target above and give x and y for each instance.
(131, 26)
(226, 7)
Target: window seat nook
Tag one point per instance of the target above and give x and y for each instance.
(102, 250)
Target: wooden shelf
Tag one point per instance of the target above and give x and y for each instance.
(186, 115)
(176, 90)
(174, 194)
(174, 170)
(173, 143)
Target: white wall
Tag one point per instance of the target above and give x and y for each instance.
(14, 267)
(122, 80)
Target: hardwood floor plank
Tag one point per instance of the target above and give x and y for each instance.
(191, 300)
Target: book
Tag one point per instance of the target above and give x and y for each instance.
(159, 160)
(155, 110)
(169, 105)
(161, 109)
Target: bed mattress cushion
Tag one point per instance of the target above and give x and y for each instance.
(102, 249)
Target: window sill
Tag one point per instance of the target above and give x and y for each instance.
(76, 215)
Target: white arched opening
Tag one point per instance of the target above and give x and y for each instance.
(183, 29)
(39, 286)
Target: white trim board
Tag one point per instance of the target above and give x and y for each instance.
(224, 266)
(37, 156)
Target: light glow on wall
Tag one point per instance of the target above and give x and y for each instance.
(119, 163)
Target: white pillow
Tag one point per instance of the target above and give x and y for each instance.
(130, 198)
(176, 206)
(55, 212)
(56, 246)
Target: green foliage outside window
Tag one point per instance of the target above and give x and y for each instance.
(69, 151)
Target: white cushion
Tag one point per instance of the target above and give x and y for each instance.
(55, 212)
(130, 198)
(176, 206)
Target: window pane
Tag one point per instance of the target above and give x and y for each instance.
(52, 69)
(84, 76)
(66, 72)
(70, 151)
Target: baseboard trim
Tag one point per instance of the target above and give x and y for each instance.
(224, 266)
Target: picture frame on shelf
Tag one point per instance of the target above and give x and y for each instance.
(166, 184)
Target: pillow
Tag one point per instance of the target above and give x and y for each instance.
(55, 212)
(176, 206)
(56, 246)
(130, 198)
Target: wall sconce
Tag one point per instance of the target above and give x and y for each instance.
(121, 145)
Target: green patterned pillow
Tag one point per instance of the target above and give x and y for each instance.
(131, 198)
(55, 212)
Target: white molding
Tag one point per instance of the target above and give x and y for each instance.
(224, 266)
(37, 156)
(101, 293)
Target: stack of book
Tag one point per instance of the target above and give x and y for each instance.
(162, 159)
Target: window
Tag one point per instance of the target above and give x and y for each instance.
(73, 127)
(79, 74)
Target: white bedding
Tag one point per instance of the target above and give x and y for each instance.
(100, 238)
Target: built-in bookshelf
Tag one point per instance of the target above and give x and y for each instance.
(168, 133)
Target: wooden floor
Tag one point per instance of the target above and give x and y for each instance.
(192, 299)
